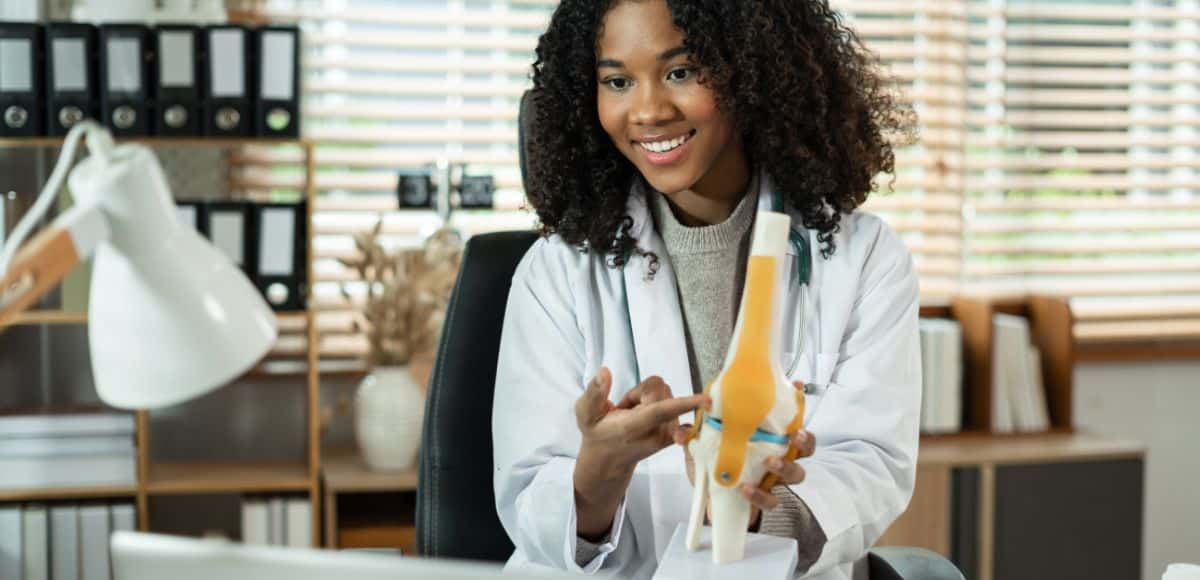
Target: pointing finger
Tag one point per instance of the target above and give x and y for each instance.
(649, 390)
(650, 417)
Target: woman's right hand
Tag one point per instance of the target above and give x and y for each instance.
(615, 439)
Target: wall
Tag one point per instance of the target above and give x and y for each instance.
(1156, 404)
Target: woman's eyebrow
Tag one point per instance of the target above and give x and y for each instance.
(666, 55)
(674, 52)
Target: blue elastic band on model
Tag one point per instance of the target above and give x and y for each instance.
(759, 434)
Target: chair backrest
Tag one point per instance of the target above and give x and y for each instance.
(456, 509)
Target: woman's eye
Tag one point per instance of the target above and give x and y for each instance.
(679, 74)
(617, 83)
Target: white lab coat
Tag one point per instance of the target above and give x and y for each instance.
(570, 314)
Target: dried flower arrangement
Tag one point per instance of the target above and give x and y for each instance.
(407, 294)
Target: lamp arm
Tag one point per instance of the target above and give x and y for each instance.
(42, 263)
(28, 272)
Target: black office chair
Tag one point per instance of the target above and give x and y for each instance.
(456, 511)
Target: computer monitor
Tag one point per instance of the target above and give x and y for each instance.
(139, 556)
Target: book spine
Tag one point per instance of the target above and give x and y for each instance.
(59, 446)
(123, 517)
(29, 472)
(299, 523)
(93, 538)
(40, 426)
(255, 521)
(278, 521)
(11, 537)
(36, 542)
(64, 542)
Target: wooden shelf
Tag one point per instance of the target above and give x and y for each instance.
(1050, 323)
(227, 477)
(346, 473)
(157, 141)
(47, 317)
(1137, 351)
(67, 493)
(980, 448)
(289, 321)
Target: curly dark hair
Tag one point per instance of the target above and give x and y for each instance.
(807, 97)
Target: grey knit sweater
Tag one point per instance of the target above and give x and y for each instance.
(710, 266)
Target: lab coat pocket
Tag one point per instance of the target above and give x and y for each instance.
(818, 386)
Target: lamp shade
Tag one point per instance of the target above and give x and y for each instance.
(170, 317)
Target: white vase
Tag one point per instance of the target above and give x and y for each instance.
(388, 410)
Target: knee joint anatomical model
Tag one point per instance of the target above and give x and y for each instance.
(754, 405)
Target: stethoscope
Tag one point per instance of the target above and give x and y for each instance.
(798, 239)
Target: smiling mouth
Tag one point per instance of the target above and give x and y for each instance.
(667, 145)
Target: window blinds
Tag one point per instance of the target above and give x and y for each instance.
(1057, 148)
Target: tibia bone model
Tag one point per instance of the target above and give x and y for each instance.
(754, 405)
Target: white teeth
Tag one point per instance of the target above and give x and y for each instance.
(664, 146)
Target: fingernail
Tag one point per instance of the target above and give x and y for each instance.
(774, 463)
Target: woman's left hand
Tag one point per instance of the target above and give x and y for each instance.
(788, 472)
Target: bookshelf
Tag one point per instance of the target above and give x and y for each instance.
(986, 499)
(186, 478)
(346, 478)
(1051, 323)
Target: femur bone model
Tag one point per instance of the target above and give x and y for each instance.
(754, 405)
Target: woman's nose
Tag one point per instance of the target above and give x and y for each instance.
(653, 106)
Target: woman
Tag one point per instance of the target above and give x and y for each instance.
(661, 126)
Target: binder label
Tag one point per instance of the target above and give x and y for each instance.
(70, 65)
(16, 60)
(276, 237)
(124, 65)
(277, 81)
(175, 60)
(226, 50)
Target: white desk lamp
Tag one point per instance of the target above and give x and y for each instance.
(170, 318)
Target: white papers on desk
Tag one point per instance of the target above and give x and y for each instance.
(1018, 392)
(941, 376)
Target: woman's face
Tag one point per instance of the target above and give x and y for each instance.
(654, 109)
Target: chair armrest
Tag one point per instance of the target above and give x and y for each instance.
(907, 563)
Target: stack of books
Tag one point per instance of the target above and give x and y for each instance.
(1018, 392)
(40, 542)
(941, 376)
(77, 448)
(277, 521)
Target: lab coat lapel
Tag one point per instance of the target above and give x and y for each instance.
(654, 313)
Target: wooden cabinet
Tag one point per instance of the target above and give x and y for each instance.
(1064, 506)
(368, 509)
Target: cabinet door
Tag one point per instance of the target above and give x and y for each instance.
(1072, 520)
